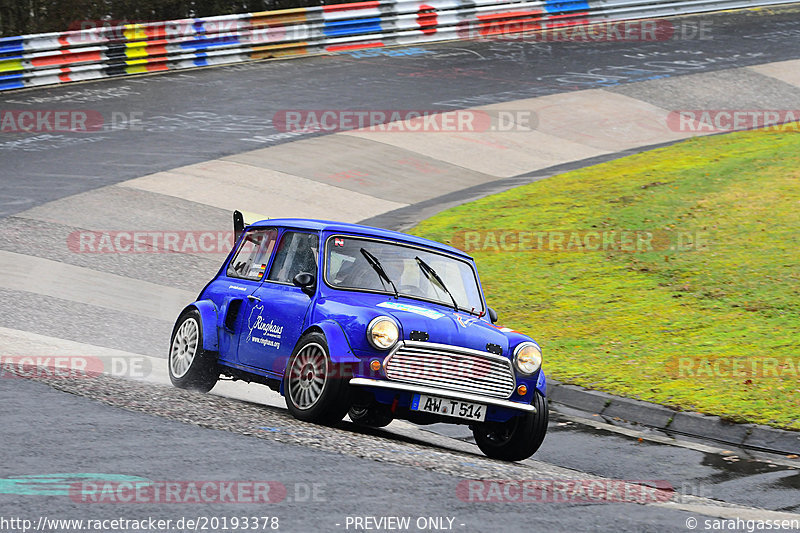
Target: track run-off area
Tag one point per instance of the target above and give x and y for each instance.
(178, 152)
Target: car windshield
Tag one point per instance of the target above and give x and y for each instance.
(347, 266)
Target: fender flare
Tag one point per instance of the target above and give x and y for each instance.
(209, 322)
(338, 346)
(541, 383)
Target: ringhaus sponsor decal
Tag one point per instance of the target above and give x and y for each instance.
(261, 331)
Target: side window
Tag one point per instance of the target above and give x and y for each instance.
(297, 253)
(252, 257)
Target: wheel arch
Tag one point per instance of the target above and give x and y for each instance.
(338, 345)
(541, 383)
(208, 323)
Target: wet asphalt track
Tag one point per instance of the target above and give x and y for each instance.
(204, 114)
(199, 115)
(357, 472)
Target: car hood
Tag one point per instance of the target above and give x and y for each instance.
(444, 325)
(353, 311)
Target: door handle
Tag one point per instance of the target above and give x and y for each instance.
(253, 298)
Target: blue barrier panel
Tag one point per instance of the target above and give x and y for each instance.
(349, 27)
(11, 44)
(209, 42)
(17, 76)
(566, 6)
(11, 84)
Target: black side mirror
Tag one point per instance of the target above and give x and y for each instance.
(306, 282)
(493, 315)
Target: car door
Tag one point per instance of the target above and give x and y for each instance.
(241, 277)
(275, 313)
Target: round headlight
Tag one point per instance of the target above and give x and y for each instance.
(527, 358)
(382, 333)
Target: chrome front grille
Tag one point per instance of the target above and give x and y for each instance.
(451, 368)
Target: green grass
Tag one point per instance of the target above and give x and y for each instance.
(618, 321)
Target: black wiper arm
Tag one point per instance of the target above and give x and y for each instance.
(430, 273)
(376, 265)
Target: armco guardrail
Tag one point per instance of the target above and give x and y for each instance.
(51, 58)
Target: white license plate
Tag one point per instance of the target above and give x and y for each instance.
(448, 407)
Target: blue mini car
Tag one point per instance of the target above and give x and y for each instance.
(347, 319)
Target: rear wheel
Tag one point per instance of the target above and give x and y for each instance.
(315, 388)
(190, 366)
(517, 439)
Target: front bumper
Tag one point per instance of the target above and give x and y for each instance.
(455, 395)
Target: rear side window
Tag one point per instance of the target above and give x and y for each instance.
(297, 253)
(252, 257)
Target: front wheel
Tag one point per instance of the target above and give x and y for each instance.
(190, 366)
(517, 439)
(316, 390)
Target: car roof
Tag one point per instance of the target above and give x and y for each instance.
(344, 227)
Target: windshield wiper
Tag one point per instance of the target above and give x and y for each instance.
(376, 265)
(431, 274)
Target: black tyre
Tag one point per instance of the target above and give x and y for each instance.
(374, 416)
(191, 367)
(517, 439)
(315, 389)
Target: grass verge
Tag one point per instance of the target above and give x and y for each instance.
(693, 298)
